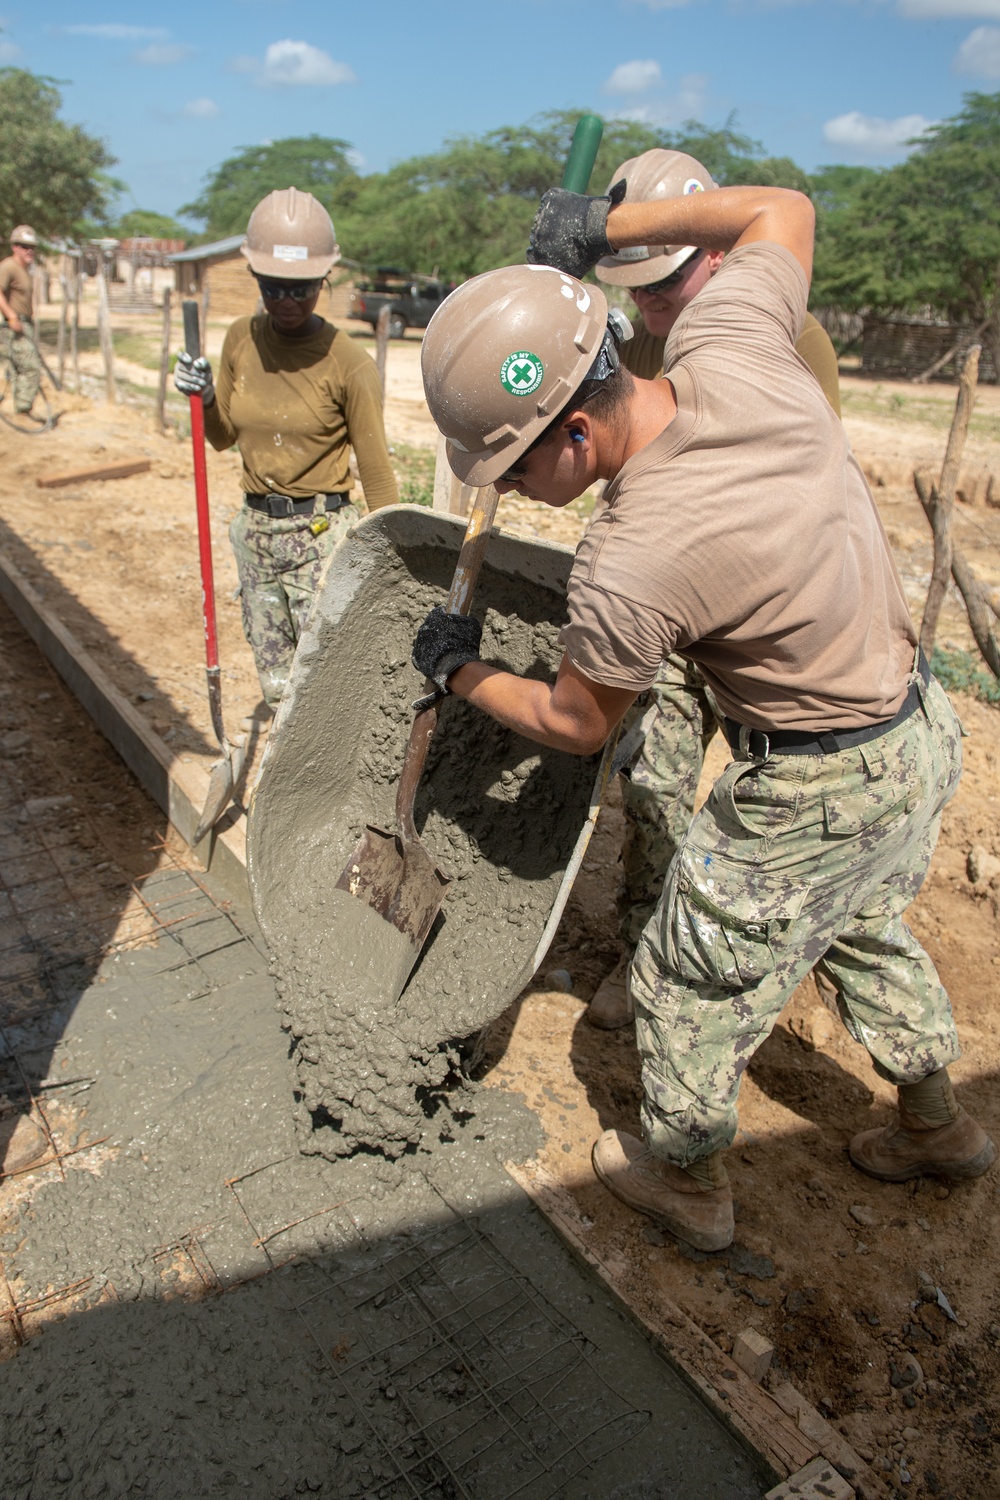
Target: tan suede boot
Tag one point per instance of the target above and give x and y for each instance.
(909, 1147)
(699, 1216)
(611, 1007)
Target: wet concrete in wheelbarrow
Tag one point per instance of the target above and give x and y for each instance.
(498, 814)
(188, 1305)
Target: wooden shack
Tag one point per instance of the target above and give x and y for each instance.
(232, 291)
(905, 347)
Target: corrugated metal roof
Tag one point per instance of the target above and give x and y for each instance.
(217, 247)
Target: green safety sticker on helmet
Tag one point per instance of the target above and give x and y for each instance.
(521, 373)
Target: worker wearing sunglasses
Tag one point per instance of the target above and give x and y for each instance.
(295, 395)
(658, 797)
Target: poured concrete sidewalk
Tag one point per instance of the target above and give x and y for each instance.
(189, 1306)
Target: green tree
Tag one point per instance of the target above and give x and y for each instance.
(143, 222)
(314, 163)
(469, 207)
(52, 175)
(924, 234)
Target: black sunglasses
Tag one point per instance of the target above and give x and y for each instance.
(666, 282)
(299, 291)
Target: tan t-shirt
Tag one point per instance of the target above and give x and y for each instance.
(15, 283)
(643, 355)
(296, 408)
(745, 536)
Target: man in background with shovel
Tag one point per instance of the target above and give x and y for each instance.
(658, 790)
(739, 531)
(17, 306)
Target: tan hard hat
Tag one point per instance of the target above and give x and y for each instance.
(24, 235)
(290, 235)
(654, 174)
(501, 358)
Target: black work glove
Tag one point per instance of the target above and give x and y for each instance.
(443, 644)
(570, 230)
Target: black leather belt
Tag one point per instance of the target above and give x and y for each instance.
(759, 744)
(283, 505)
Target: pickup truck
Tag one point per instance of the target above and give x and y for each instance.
(412, 300)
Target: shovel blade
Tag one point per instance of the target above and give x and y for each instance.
(398, 880)
(221, 784)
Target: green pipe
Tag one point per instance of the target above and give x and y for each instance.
(583, 153)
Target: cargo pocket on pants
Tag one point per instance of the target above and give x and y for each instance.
(718, 931)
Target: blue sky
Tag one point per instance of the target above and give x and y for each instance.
(175, 89)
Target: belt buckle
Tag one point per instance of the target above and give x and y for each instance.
(747, 751)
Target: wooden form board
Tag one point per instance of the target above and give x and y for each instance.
(84, 476)
(178, 787)
(781, 1426)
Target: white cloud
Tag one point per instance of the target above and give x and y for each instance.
(162, 54)
(9, 51)
(979, 54)
(114, 32)
(201, 109)
(290, 64)
(633, 78)
(872, 136)
(929, 10)
(244, 64)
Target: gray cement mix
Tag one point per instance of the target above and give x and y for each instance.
(364, 1327)
(498, 813)
(209, 1312)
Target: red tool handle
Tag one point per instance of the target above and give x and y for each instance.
(192, 343)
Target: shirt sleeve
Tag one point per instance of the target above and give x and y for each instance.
(756, 298)
(366, 433)
(218, 428)
(816, 348)
(614, 641)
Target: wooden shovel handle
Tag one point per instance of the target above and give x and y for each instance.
(459, 602)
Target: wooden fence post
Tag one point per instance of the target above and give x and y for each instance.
(104, 333)
(61, 335)
(450, 494)
(382, 343)
(74, 327)
(161, 392)
(944, 500)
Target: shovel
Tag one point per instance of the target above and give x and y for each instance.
(392, 872)
(225, 773)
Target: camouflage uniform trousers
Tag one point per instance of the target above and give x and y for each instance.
(281, 566)
(658, 795)
(795, 862)
(20, 349)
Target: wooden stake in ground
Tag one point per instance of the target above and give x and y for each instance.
(161, 392)
(61, 335)
(978, 602)
(104, 332)
(382, 342)
(944, 500)
(74, 327)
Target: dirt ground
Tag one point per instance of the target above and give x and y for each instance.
(839, 1272)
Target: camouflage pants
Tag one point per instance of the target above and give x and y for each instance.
(20, 349)
(281, 566)
(658, 797)
(794, 862)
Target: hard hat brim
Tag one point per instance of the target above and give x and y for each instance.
(663, 260)
(310, 269)
(479, 468)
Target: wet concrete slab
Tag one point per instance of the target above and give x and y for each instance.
(190, 1306)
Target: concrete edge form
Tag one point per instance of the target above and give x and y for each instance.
(178, 788)
(782, 1427)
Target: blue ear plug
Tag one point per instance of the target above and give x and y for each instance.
(577, 437)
